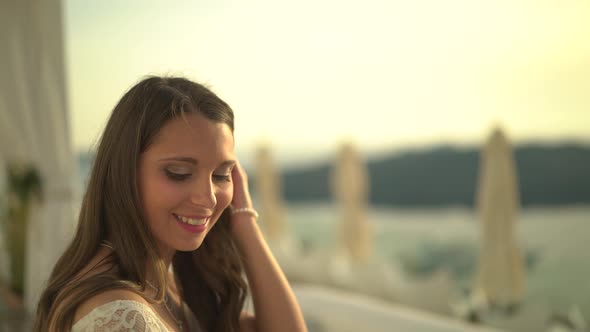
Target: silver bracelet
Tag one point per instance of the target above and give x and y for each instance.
(251, 211)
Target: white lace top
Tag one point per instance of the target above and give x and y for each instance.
(127, 315)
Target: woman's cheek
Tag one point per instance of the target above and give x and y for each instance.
(170, 194)
(225, 196)
(170, 191)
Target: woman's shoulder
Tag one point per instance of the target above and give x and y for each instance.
(115, 310)
(106, 297)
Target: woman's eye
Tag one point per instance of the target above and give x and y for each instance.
(176, 176)
(225, 178)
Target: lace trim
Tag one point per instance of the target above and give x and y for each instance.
(120, 316)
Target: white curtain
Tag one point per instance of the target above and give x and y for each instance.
(34, 126)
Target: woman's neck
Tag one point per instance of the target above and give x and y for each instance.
(167, 255)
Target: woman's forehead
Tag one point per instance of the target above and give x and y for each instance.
(194, 136)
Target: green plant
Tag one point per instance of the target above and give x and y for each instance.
(23, 187)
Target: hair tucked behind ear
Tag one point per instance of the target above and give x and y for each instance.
(210, 278)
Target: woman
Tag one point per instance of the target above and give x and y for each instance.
(167, 231)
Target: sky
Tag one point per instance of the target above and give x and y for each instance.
(307, 75)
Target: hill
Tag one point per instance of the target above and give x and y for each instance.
(547, 175)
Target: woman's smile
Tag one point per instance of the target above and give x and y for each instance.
(192, 220)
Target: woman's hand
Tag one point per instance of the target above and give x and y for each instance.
(241, 197)
(274, 302)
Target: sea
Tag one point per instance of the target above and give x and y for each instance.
(554, 241)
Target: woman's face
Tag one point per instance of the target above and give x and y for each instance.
(184, 180)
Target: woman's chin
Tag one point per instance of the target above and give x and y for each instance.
(190, 246)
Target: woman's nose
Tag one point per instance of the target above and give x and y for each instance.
(203, 194)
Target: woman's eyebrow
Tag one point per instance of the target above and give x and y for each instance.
(183, 159)
(190, 160)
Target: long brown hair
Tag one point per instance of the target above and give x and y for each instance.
(210, 278)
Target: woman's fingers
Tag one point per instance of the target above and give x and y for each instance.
(241, 193)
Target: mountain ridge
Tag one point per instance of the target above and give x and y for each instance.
(556, 174)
